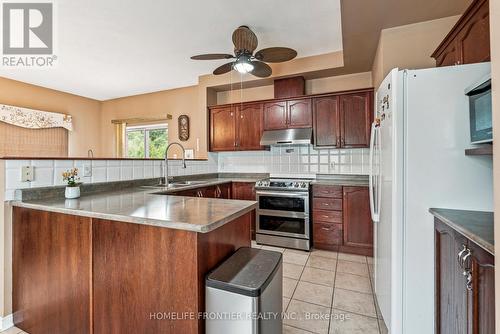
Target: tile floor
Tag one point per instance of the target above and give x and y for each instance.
(323, 293)
(328, 293)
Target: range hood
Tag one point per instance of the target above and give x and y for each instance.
(286, 137)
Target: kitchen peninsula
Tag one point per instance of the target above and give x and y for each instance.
(127, 260)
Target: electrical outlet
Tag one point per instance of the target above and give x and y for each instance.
(26, 174)
(87, 170)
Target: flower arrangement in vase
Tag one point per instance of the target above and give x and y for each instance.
(73, 186)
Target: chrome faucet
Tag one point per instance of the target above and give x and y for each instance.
(165, 166)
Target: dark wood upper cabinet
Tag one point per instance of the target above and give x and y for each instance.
(250, 126)
(469, 40)
(289, 87)
(338, 120)
(465, 303)
(358, 226)
(275, 116)
(288, 114)
(356, 113)
(236, 128)
(299, 113)
(222, 129)
(326, 121)
(343, 120)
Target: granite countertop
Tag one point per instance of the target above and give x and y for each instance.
(151, 206)
(474, 225)
(342, 180)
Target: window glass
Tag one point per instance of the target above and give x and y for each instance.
(135, 144)
(147, 141)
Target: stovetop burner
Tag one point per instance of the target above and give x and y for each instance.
(283, 184)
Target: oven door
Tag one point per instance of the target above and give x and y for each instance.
(283, 213)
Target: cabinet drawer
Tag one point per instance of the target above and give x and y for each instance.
(327, 204)
(327, 191)
(327, 216)
(330, 234)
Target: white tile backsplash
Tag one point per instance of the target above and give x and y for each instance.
(296, 160)
(290, 160)
(48, 172)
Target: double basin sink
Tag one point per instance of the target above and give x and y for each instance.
(178, 184)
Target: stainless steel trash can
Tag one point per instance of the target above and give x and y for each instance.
(244, 294)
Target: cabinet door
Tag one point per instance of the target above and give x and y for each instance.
(326, 121)
(449, 56)
(299, 113)
(222, 191)
(222, 129)
(245, 191)
(481, 317)
(52, 268)
(474, 38)
(358, 226)
(356, 112)
(451, 295)
(275, 116)
(249, 124)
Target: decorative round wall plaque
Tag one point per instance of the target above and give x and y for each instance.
(183, 127)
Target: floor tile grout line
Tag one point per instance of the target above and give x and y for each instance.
(333, 294)
(372, 284)
(305, 330)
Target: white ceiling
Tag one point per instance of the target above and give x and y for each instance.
(114, 48)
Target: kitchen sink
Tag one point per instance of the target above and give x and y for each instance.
(175, 185)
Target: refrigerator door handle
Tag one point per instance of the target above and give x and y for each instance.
(371, 184)
(379, 174)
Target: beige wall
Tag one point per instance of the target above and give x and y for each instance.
(175, 102)
(313, 86)
(409, 46)
(3, 247)
(495, 72)
(85, 112)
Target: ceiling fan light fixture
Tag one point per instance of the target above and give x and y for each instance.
(243, 65)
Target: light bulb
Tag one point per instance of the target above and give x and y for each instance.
(243, 67)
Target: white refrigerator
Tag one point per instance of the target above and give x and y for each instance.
(417, 162)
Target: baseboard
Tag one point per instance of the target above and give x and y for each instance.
(6, 322)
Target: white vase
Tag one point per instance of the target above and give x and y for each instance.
(72, 192)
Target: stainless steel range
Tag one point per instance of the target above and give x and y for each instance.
(283, 217)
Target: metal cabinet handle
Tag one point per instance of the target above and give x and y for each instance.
(325, 216)
(459, 256)
(325, 228)
(342, 142)
(326, 204)
(468, 279)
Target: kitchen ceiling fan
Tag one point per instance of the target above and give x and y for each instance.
(245, 42)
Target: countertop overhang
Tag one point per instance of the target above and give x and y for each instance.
(474, 225)
(150, 206)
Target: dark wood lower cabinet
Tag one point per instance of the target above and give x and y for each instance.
(465, 290)
(84, 275)
(52, 269)
(245, 191)
(341, 219)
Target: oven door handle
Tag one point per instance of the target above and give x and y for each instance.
(283, 194)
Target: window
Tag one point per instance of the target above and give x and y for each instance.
(146, 141)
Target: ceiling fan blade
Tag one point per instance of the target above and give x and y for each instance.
(212, 56)
(276, 55)
(261, 70)
(224, 68)
(244, 39)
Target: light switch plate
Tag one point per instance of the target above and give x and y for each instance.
(26, 173)
(87, 170)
